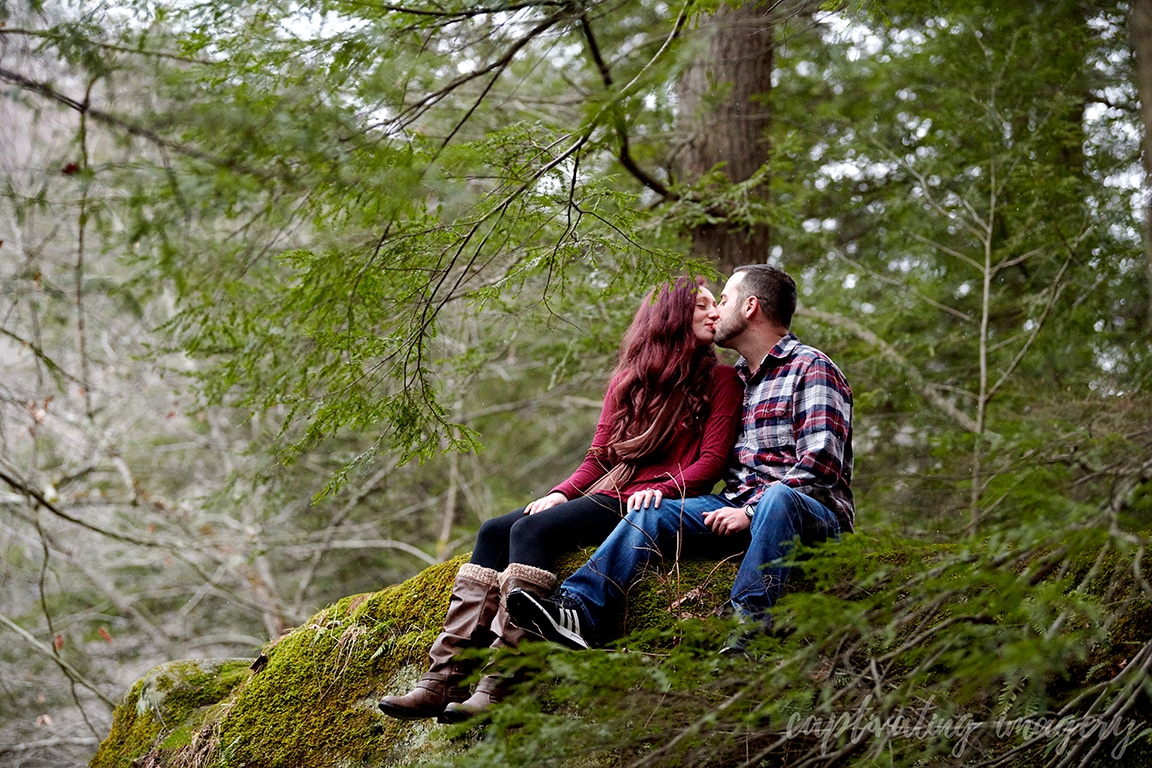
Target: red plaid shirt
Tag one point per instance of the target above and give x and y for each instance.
(797, 430)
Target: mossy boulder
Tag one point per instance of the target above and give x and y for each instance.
(310, 698)
(166, 711)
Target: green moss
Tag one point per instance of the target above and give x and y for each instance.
(313, 701)
(313, 704)
(166, 706)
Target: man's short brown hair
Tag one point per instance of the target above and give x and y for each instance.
(773, 288)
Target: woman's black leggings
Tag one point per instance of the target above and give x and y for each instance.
(539, 539)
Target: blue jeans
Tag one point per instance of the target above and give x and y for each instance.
(781, 516)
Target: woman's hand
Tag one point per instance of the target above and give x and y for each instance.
(553, 499)
(649, 497)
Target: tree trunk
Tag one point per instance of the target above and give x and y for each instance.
(724, 113)
(1140, 34)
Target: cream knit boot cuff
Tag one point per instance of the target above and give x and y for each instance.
(478, 573)
(520, 573)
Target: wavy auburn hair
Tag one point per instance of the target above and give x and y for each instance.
(660, 355)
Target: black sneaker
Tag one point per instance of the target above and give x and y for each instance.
(556, 619)
(745, 634)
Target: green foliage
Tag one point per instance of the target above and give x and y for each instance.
(372, 234)
(325, 196)
(328, 189)
(949, 182)
(886, 650)
(166, 707)
(895, 657)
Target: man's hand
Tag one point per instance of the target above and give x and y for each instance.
(553, 499)
(727, 520)
(649, 497)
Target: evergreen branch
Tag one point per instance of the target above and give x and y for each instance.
(432, 308)
(466, 14)
(417, 109)
(889, 352)
(625, 153)
(690, 730)
(109, 46)
(132, 129)
(1054, 292)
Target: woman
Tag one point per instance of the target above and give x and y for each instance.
(670, 417)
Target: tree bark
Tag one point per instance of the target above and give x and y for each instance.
(724, 114)
(1140, 35)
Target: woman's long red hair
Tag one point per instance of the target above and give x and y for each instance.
(660, 355)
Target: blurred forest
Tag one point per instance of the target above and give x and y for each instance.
(294, 295)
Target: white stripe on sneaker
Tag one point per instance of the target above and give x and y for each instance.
(567, 624)
(553, 622)
(569, 620)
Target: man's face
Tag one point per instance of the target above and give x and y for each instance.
(732, 321)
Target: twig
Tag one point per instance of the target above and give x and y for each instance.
(70, 671)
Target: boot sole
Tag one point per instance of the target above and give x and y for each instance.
(403, 713)
(457, 716)
(406, 714)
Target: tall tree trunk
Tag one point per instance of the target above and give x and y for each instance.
(1140, 34)
(725, 113)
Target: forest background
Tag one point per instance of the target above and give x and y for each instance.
(293, 295)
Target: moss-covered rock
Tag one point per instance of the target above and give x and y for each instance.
(165, 711)
(309, 700)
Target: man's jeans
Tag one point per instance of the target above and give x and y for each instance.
(678, 526)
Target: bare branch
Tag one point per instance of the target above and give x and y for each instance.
(40, 355)
(494, 68)
(106, 118)
(28, 491)
(625, 153)
(950, 251)
(70, 671)
(63, 741)
(905, 288)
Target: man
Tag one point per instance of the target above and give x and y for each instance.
(789, 475)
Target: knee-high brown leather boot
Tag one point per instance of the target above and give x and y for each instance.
(468, 624)
(493, 688)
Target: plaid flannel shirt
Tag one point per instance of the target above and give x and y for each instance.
(797, 430)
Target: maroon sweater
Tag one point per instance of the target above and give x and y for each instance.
(690, 465)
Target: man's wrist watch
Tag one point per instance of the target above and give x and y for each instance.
(749, 510)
